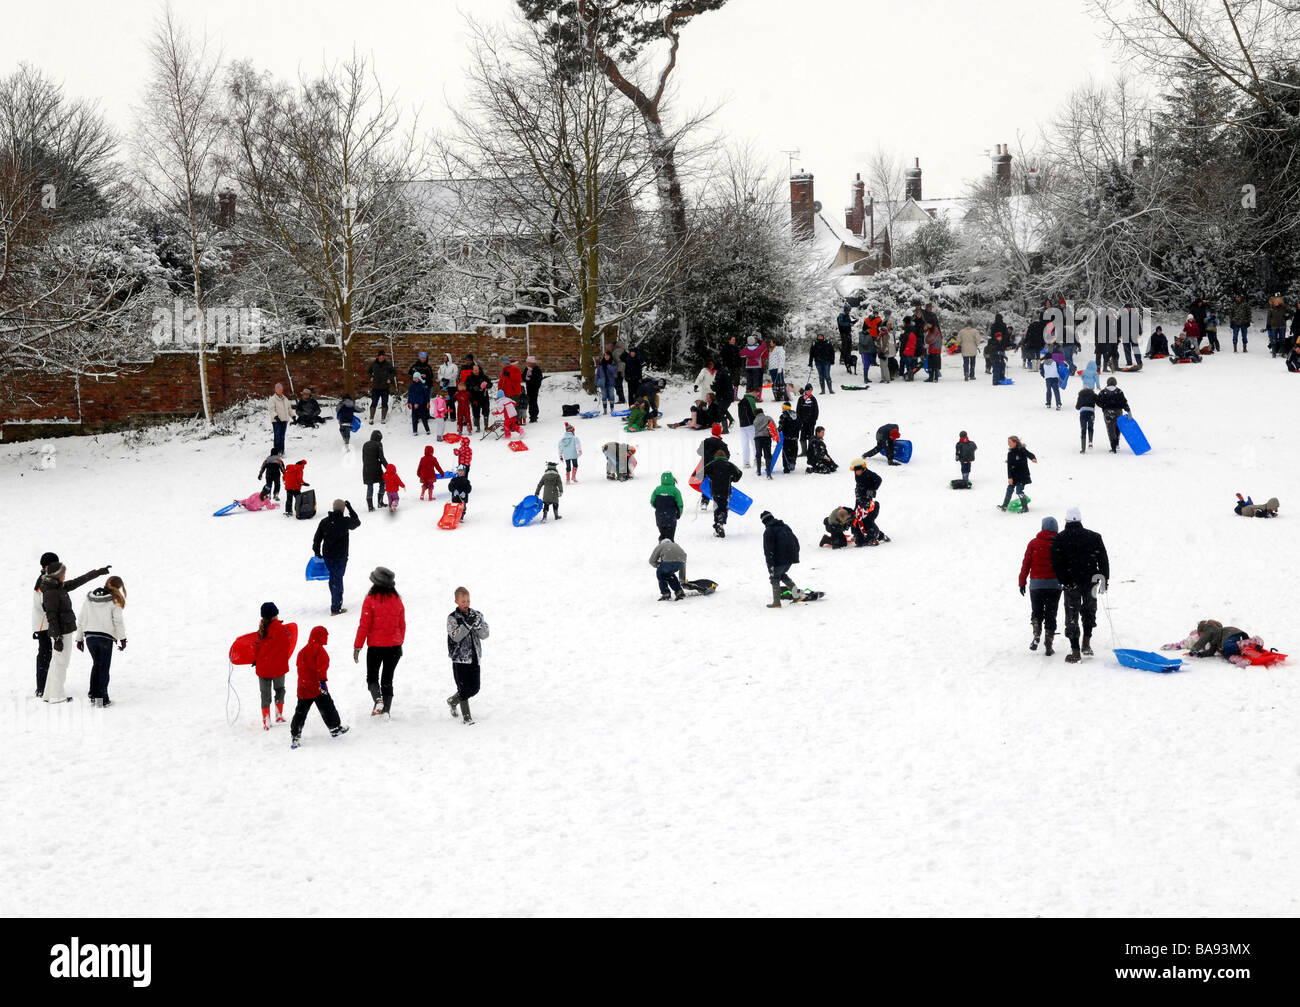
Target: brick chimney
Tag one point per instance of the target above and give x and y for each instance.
(226, 208)
(871, 218)
(912, 181)
(1002, 165)
(801, 205)
(855, 214)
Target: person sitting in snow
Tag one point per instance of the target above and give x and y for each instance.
(1246, 507)
(819, 458)
(1157, 345)
(307, 410)
(428, 472)
(392, 483)
(550, 489)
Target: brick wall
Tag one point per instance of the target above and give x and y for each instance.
(167, 387)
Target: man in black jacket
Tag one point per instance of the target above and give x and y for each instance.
(532, 386)
(383, 375)
(1112, 402)
(822, 355)
(721, 473)
(781, 551)
(806, 409)
(373, 464)
(331, 545)
(1083, 568)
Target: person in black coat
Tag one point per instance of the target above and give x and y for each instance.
(721, 473)
(1018, 459)
(532, 386)
(633, 367)
(790, 428)
(1083, 568)
(822, 356)
(724, 393)
(307, 410)
(373, 464)
(806, 410)
(331, 544)
(732, 365)
(819, 458)
(886, 434)
(1112, 402)
(780, 551)
(459, 488)
(865, 482)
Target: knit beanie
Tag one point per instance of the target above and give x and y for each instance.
(269, 611)
(56, 570)
(48, 559)
(766, 517)
(717, 430)
(1072, 516)
(1049, 524)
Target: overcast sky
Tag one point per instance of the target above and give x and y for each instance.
(944, 81)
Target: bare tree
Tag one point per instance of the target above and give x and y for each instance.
(325, 169)
(180, 126)
(885, 180)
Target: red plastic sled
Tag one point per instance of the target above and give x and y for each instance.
(518, 446)
(451, 514)
(1261, 657)
(697, 477)
(244, 648)
(451, 438)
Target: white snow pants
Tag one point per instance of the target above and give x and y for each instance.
(54, 681)
(747, 443)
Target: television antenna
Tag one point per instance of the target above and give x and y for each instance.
(791, 155)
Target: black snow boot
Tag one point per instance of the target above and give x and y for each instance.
(1038, 631)
(452, 702)
(1087, 644)
(464, 711)
(776, 596)
(1073, 657)
(1047, 645)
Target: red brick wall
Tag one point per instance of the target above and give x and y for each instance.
(167, 388)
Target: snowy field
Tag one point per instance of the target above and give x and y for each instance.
(894, 748)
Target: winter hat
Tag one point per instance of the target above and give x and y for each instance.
(269, 611)
(717, 430)
(858, 463)
(1190, 318)
(49, 559)
(551, 465)
(381, 576)
(752, 340)
(56, 570)
(962, 434)
(424, 355)
(1110, 382)
(1072, 516)
(807, 388)
(339, 505)
(766, 517)
(418, 376)
(462, 469)
(530, 360)
(786, 407)
(568, 427)
(1049, 524)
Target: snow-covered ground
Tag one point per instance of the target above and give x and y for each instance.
(892, 749)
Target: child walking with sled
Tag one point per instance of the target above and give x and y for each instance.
(550, 489)
(271, 662)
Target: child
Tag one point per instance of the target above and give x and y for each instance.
(570, 449)
(313, 690)
(509, 413)
(789, 427)
(966, 449)
(427, 472)
(1212, 329)
(293, 484)
(464, 422)
(1086, 404)
(1211, 638)
(441, 405)
(464, 454)
(460, 489)
(101, 625)
(819, 459)
(1246, 507)
(550, 489)
(392, 483)
(271, 471)
(271, 652)
(261, 500)
(466, 631)
(1051, 378)
(1018, 459)
(346, 410)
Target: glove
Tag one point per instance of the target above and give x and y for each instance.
(122, 645)
(81, 645)
(356, 655)
(317, 555)
(1098, 585)
(102, 570)
(58, 643)
(324, 687)
(1022, 590)
(36, 636)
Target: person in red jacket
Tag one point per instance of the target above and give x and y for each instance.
(511, 381)
(428, 471)
(381, 632)
(293, 484)
(392, 483)
(1044, 589)
(464, 454)
(313, 690)
(464, 421)
(271, 651)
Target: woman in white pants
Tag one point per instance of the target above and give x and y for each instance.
(62, 625)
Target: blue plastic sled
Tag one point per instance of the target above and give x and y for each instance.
(776, 451)
(444, 474)
(590, 414)
(356, 423)
(527, 509)
(902, 451)
(1063, 370)
(620, 413)
(737, 503)
(1132, 433)
(317, 570)
(229, 508)
(1006, 381)
(1145, 660)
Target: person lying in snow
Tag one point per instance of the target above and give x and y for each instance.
(260, 500)
(1212, 638)
(1246, 507)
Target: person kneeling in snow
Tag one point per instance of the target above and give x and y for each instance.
(1246, 507)
(819, 459)
(669, 561)
(837, 526)
(313, 690)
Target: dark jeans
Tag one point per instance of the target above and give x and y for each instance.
(378, 397)
(1018, 489)
(1043, 603)
(754, 381)
(1112, 426)
(370, 487)
(720, 504)
(968, 367)
(668, 580)
(618, 387)
(278, 427)
(965, 470)
(999, 370)
(780, 575)
(1085, 426)
(668, 531)
(291, 501)
(1242, 330)
(763, 449)
(381, 662)
(1079, 601)
(532, 405)
(478, 408)
(44, 651)
(548, 507)
(1053, 386)
(778, 385)
(935, 365)
(337, 566)
(467, 678)
(101, 656)
(419, 414)
(328, 712)
(824, 377)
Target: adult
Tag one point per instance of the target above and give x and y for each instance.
(721, 473)
(886, 435)
(724, 394)
(1198, 312)
(61, 625)
(633, 368)
(532, 387)
(1044, 588)
(373, 464)
(780, 552)
(868, 335)
(968, 341)
(1130, 334)
(1239, 319)
(1112, 402)
(885, 348)
(704, 380)
(1034, 341)
(606, 378)
(669, 561)
(807, 410)
(731, 362)
(934, 351)
(666, 499)
(822, 355)
(448, 372)
(381, 631)
(100, 626)
(306, 410)
(281, 414)
(1081, 565)
(753, 354)
(997, 331)
(421, 367)
(789, 427)
(40, 626)
(1018, 459)
(844, 323)
(745, 417)
(418, 398)
(479, 384)
(511, 382)
(910, 346)
(331, 544)
(776, 371)
(383, 379)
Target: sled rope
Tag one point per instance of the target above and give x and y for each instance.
(1111, 622)
(230, 691)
